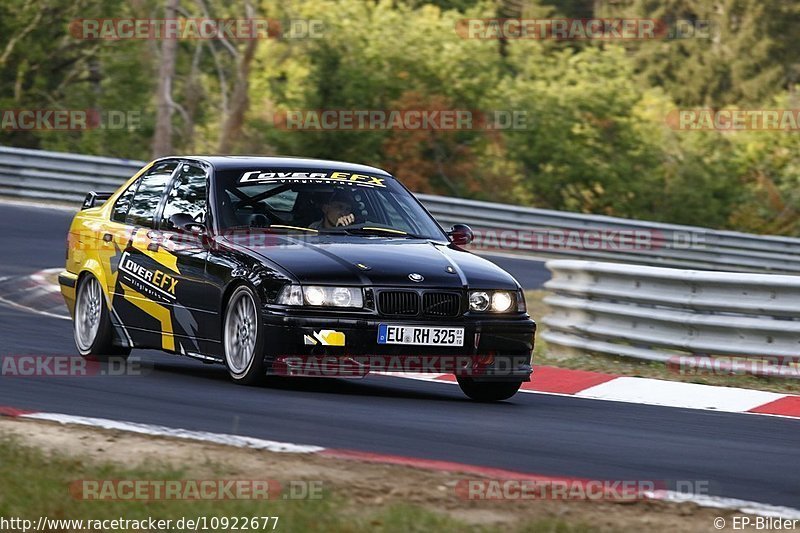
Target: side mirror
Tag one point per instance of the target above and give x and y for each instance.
(460, 234)
(185, 222)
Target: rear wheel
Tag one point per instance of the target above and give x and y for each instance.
(243, 338)
(488, 391)
(92, 324)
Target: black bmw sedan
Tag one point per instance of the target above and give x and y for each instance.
(290, 266)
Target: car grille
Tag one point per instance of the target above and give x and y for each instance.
(398, 303)
(441, 304)
(410, 303)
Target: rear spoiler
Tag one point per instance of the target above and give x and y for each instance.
(94, 199)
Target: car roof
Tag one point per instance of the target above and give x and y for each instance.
(249, 162)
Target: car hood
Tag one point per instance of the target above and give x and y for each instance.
(379, 261)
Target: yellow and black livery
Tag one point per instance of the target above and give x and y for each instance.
(239, 260)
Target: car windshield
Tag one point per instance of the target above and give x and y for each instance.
(319, 202)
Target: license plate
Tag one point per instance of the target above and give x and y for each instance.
(420, 335)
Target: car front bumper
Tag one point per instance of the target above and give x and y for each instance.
(494, 348)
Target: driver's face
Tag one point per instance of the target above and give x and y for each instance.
(336, 209)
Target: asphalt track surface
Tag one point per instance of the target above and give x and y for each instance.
(741, 456)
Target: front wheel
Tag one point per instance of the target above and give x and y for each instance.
(243, 338)
(488, 391)
(92, 324)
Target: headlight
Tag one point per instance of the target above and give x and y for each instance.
(494, 301)
(478, 301)
(501, 301)
(314, 295)
(343, 297)
(290, 295)
(320, 296)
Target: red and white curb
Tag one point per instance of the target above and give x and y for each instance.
(35, 293)
(239, 441)
(599, 386)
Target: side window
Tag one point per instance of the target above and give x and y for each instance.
(148, 195)
(187, 196)
(120, 211)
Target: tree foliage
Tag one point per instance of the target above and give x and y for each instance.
(595, 137)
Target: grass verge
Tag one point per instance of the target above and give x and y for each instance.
(38, 485)
(39, 460)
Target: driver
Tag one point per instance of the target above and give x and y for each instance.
(337, 210)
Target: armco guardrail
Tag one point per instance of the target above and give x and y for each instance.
(548, 233)
(38, 174)
(42, 175)
(661, 314)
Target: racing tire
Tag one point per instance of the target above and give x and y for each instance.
(94, 336)
(488, 391)
(243, 338)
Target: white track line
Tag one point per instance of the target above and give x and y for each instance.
(238, 441)
(718, 502)
(31, 310)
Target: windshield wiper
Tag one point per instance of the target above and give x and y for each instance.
(275, 228)
(371, 230)
(289, 228)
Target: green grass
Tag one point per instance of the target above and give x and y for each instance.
(633, 367)
(35, 484)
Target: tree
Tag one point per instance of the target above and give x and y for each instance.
(744, 51)
(162, 137)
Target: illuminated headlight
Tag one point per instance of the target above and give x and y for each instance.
(494, 301)
(314, 295)
(320, 296)
(501, 301)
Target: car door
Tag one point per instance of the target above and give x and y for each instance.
(143, 290)
(181, 233)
